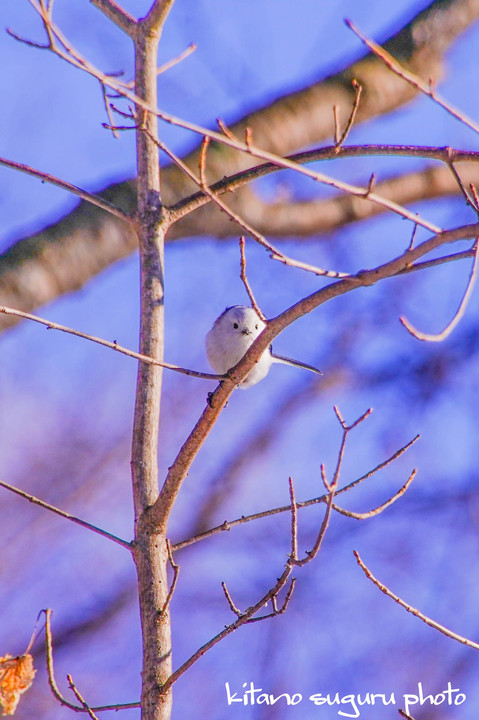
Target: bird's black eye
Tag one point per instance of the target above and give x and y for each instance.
(235, 325)
(256, 326)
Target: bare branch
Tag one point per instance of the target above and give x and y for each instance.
(120, 17)
(243, 277)
(176, 571)
(309, 268)
(229, 599)
(337, 124)
(311, 554)
(467, 197)
(343, 136)
(432, 623)
(276, 610)
(413, 79)
(460, 310)
(107, 343)
(294, 521)
(62, 513)
(52, 682)
(31, 43)
(80, 698)
(405, 715)
(52, 180)
(380, 508)
(154, 21)
(179, 58)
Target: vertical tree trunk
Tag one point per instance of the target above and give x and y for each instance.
(150, 551)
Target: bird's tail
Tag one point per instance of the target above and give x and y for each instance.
(294, 363)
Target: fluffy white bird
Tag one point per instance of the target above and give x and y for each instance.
(233, 332)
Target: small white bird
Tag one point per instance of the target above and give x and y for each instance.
(233, 332)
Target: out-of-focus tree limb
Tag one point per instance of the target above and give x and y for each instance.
(64, 256)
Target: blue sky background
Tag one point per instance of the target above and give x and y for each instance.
(66, 405)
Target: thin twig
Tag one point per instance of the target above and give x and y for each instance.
(120, 17)
(380, 508)
(428, 337)
(62, 513)
(467, 197)
(225, 129)
(413, 235)
(25, 41)
(337, 125)
(80, 698)
(412, 79)
(409, 269)
(51, 676)
(432, 623)
(244, 278)
(294, 521)
(170, 63)
(179, 58)
(107, 105)
(176, 571)
(229, 599)
(83, 194)
(276, 610)
(50, 670)
(290, 262)
(107, 343)
(35, 633)
(311, 554)
(342, 138)
(435, 262)
(405, 715)
(473, 190)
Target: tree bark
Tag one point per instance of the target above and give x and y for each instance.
(150, 546)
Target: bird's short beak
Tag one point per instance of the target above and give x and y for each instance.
(245, 331)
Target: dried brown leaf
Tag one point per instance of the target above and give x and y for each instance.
(16, 676)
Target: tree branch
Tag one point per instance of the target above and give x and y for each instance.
(459, 314)
(432, 623)
(62, 513)
(108, 343)
(73, 189)
(118, 15)
(154, 20)
(412, 79)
